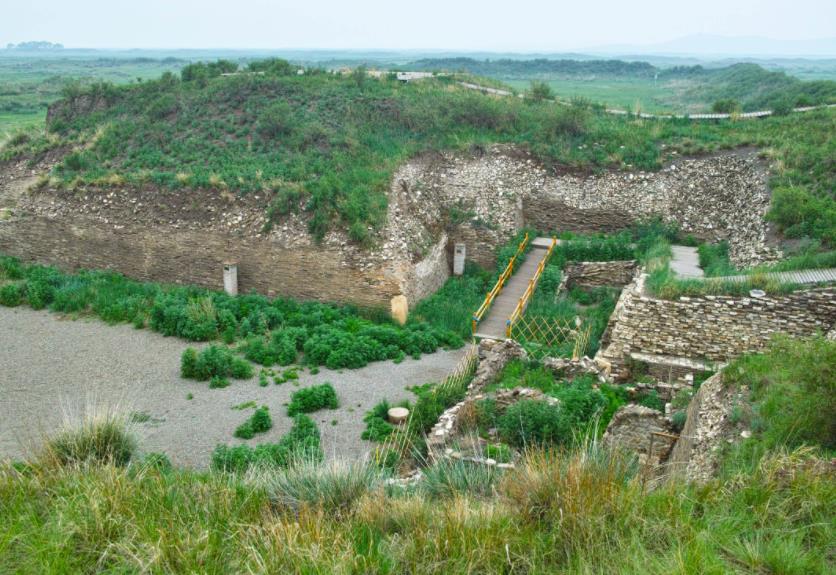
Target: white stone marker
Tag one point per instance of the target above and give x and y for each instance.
(458, 259)
(231, 278)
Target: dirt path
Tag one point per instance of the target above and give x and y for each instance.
(51, 368)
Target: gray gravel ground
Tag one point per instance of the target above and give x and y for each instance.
(54, 370)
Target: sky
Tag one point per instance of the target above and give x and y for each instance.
(484, 25)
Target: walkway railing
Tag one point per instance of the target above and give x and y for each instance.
(509, 270)
(529, 291)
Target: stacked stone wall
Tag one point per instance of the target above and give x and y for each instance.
(197, 257)
(713, 328)
(597, 274)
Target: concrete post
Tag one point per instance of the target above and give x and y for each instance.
(458, 259)
(231, 278)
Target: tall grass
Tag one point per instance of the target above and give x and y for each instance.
(101, 436)
(581, 512)
(333, 486)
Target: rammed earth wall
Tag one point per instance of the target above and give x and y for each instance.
(714, 328)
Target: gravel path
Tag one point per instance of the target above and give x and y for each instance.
(53, 368)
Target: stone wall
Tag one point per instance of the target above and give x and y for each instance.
(714, 198)
(480, 197)
(713, 328)
(196, 257)
(596, 274)
(707, 428)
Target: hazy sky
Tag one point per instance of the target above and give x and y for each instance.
(494, 25)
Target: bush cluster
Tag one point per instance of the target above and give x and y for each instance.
(273, 331)
(314, 398)
(378, 427)
(98, 440)
(301, 443)
(215, 361)
(259, 422)
(534, 422)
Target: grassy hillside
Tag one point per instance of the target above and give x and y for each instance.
(639, 85)
(30, 82)
(327, 145)
(579, 510)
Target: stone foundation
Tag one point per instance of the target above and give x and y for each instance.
(707, 429)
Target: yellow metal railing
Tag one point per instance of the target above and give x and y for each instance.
(509, 270)
(529, 291)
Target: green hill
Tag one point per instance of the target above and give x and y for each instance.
(327, 144)
(678, 89)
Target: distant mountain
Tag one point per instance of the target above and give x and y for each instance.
(724, 46)
(40, 45)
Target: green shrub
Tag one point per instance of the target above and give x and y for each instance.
(314, 398)
(652, 400)
(725, 106)
(39, 292)
(793, 390)
(378, 427)
(678, 420)
(213, 362)
(11, 295)
(158, 461)
(218, 382)
(301, 443)
(11, 268)
(188, 364)
(274, 331)
(532, 422)
(258, 422)
(261, 421)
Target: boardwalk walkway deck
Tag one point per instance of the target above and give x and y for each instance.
(493, 325)
(798, 277)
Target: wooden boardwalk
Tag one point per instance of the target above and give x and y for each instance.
(494, 323)
(826, 275)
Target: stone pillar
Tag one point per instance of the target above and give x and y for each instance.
(231, 278)
(399, 308)
(458, 259)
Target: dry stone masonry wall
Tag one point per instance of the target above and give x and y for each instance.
(713, 328)
(597, 274)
